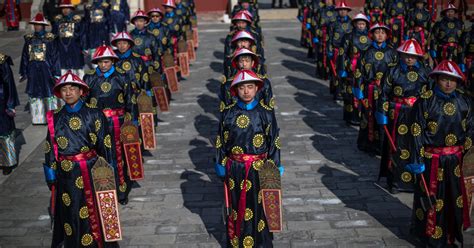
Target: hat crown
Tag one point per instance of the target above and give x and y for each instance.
(169, 3)
(69, 78)
(342, 4)
(242, 15)
(450, 68)
(411, 46)
(156, 9)
(360, 16)
(121, 36)
(243, 35)
(104, 51)
(245, 76)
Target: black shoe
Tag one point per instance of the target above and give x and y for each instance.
(124, 201)
(393, 190)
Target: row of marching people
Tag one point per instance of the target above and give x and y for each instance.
(420, 120)
(248, 143)
(104, 122)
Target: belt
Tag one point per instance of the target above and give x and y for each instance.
(146, 58)
(79, 157)
(234, 226)
(435, 153)
(113, 112)
(94, 221)
(410, 101)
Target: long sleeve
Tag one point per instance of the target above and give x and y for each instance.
(221, 155)
(53, 58)
(273, 138)
(24, 59)
(384, 101)
(101, 131)
(50, 163)
(126, 9)
(9, 87)
(469, 128)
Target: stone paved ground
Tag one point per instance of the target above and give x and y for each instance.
(329, 196)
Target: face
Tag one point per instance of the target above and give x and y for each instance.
(243, 43)
(410, 60)
(343, 12)
(246, 62)
(71, 93)
(380, 35)
(66, 11)
(245, 5)
(247, 92)
(361, 25)
(105, 64)
(241, 25)
(450, 13)
(168, 9)
(123, 46)
(38, 28)
(177, 1)
(447, 84)
(420, 5)
(155, 17)
(139, 23)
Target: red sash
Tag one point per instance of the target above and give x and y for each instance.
(445, 47)
(247, 159)
(94, 221)
(436, 153)
(115, 114)
(324, 30)
(402, 28)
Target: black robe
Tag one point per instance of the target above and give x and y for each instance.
(8, 95)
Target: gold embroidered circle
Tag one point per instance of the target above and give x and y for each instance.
(66, 199)
(463, 124)
(62, 142)
(450, 139)
(412, 76)
(226, 136)
(79, 183)
(93, 138)
(257, 165)
(120, 98)
(231, 184)
(406, 177)
(398, 91)
(248, 214)
(432, 127)
(404, 154)
(86, 240)
(449, 108)
(261, 226)
(67, 229)
(108, 141)
(156, 32)
(379, 55)
(105, 87)
(457, 171)
(363, 39)
(438, 233)
(395, 27)
(248, 241)
(218, 142)
(258, 140)
(85, 149)
(419, 214)
(415, 129)
(467, 144)
(235, 242)
(66, 165)
(419, 16)
(97, 125)
(126, 66)
(243, 121)
(47, 147)
(123, 187)
(427, 94)
(138, 41)
(237, 150)
(440, 176)
(278, 143)
(221, 106)
(402, 129)
(451, 25)
(84, 213)
(249, 185)
(459, 202)
(439, 205)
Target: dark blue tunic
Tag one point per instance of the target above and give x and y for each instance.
(8, 95)
(72, 40)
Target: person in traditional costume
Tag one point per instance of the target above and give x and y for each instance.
(40, 65)
(248, 138)
(70, 32)
(245, 59)
(11, 10)
(145, 42)
(97, 24)
(250, 8)
(441, 127)
(8, 101)
(160, 31)
(111, 92)
(336, 32)
(242, 21)
(182, 10)
(133, 67)
(402, 87)
(305, 17)
(174, 23)
(50, 9)
(119, 16)
(354, 45)
(419, 24)
(377, 61)
(320, 38)
(77, 136)
(375, 11)
(397, 22)
(446, 37)
(242, 39)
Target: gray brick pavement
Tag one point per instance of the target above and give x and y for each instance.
(329, 196)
